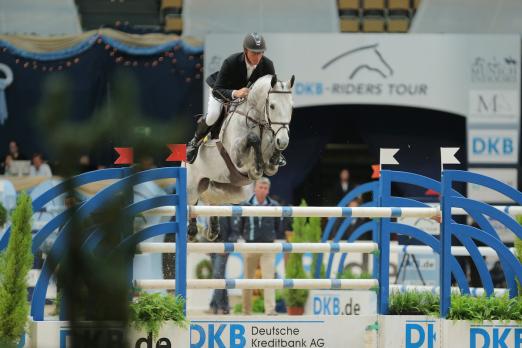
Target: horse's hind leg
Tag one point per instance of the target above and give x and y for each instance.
(192, 230)
(213, 229)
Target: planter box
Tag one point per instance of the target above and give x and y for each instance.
(220, 331)
(281, 331)
(494, 334)
(410, 331)
(305, 331)
(429, 332)
(57, 334)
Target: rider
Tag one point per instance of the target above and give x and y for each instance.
(238, 72)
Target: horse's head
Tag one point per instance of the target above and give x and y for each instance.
(273, 101)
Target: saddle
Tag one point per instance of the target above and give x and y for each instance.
(237, 179)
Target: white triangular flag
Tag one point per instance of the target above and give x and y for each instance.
(386, 156)
(447, 155)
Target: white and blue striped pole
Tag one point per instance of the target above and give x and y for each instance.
(355, 284)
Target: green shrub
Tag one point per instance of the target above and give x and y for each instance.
(347, 274)
(463, 307)
(238, 308)
(483, 308)
(518, 252)
(257, 307)
(150, 311)
(3, 215)
(414, 303)
(312, 233)
(15, 263)
(294, 266)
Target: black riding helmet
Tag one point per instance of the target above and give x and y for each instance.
(254, 42)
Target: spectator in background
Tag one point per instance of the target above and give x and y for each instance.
(6, 165)
(146, 163)
(259, 230)
(14, 151)
(39, 167)
(85, 164)
(341, 188)
(219, 303)
(13, 155)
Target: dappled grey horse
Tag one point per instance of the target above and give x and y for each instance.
(253, 134)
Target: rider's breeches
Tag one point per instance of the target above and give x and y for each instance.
(213, 109)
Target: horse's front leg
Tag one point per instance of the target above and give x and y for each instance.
(272, 166)
(254, 143)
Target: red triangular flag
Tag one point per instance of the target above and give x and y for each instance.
(376, 171)
(178, 152)
(126, 155)
(431, 192)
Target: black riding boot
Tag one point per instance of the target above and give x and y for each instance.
(192, 147)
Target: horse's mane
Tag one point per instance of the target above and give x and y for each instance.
(261, 82)
(259, 91)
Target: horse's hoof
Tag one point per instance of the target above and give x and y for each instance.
(212, 232)
(255, 174)
(211, 237)
(271, 170)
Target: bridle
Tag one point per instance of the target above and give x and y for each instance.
(266, 123)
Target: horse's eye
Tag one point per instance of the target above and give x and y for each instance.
(272, 106)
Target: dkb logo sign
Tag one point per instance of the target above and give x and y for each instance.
(217, 336)
(496, 337)
(420, 334)
(493, 146)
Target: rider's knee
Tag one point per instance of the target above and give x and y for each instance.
(212, 116)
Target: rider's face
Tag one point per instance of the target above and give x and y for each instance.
(254, 57)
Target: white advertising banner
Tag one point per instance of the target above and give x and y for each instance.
(468, 75)
(474, 76)
(508, 176)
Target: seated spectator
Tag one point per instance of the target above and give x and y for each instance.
(39, 167)
(15, 152)
(13, 155)
(7, 164)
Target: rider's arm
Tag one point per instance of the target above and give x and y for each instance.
(221, 89)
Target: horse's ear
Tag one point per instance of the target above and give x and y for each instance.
(292, 79)
(274, 80)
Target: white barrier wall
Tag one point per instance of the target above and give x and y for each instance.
(370, 331)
